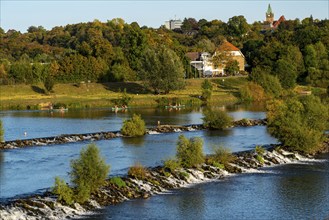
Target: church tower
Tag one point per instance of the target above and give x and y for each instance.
(269, 15)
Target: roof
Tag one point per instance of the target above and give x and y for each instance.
(227, 46)
(193, 55)
(278, 22)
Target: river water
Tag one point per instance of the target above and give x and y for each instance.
(31, 170)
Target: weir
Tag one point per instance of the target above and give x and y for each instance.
(71, 138)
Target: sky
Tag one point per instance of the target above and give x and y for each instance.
(21, 14)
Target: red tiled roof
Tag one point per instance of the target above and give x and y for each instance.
(278, 22)
(193, 55)
(227, 46)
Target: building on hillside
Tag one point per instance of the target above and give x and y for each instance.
(270, 23)
(173, 24)
(203, 62)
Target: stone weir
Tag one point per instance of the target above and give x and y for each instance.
(71, 138)
(156, 180)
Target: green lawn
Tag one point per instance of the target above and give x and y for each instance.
(101, 95)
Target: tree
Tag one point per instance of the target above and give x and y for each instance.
(88, 173)
(190, 151)
(232, 67)
(163, 70)
(49, 83)
(286, 73)
(207, 88)
(237, 26)
(299, 123)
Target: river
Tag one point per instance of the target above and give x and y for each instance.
(31, 170)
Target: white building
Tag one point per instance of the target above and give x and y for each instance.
(173, 24)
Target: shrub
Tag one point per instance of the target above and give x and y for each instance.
(118, 182)
(134, 126)
(190, 151)
(171, 164)
(89, 172)
(206, 85)
(271, 84)
(137, 171)
(64, 192)
(252, 92)
(124, 99)
(260, 159)
(298, 123)
(259, 150)
(1, 132)
(223, 156)
(216, 119)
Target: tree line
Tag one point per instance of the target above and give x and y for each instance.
(297, 51)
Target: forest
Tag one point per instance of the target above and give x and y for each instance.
(114, 51)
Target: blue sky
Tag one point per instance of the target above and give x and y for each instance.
(20, 15)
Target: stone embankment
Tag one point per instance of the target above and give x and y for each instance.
(157, 180)
(70, 138)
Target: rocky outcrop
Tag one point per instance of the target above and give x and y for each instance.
(157, 180)
(70, 138)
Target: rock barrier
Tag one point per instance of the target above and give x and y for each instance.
(157, 180)
(71, 138)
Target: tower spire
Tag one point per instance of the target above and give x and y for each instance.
(269, 14)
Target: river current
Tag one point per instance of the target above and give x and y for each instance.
(292, 187)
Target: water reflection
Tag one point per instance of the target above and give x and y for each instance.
(307, 192)
(134, 141)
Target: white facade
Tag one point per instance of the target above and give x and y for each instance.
(173, 24)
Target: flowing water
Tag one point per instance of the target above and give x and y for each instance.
(277, 193)
(293, 191)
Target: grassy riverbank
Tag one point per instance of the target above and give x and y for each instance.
(86, 95)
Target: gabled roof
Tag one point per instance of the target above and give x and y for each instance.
(278, 22)
(227, 46)
(193, 55)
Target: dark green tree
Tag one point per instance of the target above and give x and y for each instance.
(163, 70)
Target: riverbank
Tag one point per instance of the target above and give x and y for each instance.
(71, 138)
(91, 95)
(157, 180)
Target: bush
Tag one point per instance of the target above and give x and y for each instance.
(64, 192)
(124, 100)
(206, 85)
(134, 126)
(89, 172)
(216, 119)
(1, 132)
(171, 164)
(118, 182)
(252, 92)
(190, 151)
(223, 156)
(137, 171)
(298, 123)
(259, 150)
(271, 84)
(260, 159)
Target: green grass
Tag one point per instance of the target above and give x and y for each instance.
(101, 95)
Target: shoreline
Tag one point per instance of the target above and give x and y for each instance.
(105, 135)
(158, 180)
